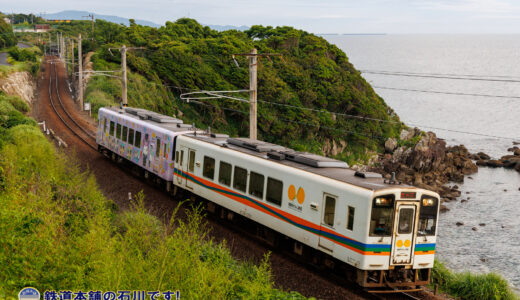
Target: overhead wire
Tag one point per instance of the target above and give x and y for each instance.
(425, 75)
(293, 121)
(445, 92)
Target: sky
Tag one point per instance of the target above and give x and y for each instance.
(317, 16)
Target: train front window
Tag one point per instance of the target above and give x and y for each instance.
(382, 219)
(427, 216)
(405, 220)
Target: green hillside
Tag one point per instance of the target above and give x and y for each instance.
(185, 56)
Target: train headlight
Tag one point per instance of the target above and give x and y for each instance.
(381, 201)
(428, 202)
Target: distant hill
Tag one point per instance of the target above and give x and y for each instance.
(227, 27)
(79, 15)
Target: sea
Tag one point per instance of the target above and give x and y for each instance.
(426, 79)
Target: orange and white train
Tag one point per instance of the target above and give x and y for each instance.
(383, 231)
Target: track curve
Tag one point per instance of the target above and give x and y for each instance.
(82, 134)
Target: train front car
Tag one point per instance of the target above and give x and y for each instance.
(402, 233)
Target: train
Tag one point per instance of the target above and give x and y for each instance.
(380, 232)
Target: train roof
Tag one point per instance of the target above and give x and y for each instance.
(309, 162)
(152, 118)
(316, 164)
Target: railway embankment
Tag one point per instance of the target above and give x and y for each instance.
(21, 84)
(58, 231)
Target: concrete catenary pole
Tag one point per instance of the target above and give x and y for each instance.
(252, 94)
(124, 82)
(72, 59)
(80, 74)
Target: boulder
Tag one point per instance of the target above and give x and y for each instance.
(483, 156)
(494, 163)
(474, 228)
(390, 145)
(443, 208)
(481, 162)
(459, 223)
(406, 134)
(517, 152)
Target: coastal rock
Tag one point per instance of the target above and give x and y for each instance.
(406, 134)
(516, 143)
(517, 152)
(443, 208)
(494, 163)
(474, 228)
(481, 162)
(459, 223)
(482, 224)
(390, 145)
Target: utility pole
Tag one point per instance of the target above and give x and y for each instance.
(80, 74)
(92, 17)
(124, 85)
(124, 93)
(253, 88)
(72, 58)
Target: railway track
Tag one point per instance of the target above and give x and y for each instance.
(89, 140)
(85, 136)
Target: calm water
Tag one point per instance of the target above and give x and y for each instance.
(494, 195)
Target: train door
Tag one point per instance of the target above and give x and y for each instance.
(327, 221)
(179, 159)
(187, 162)
(404, 228)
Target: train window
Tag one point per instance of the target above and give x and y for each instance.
(112, 128)
(330, 208)
(256, 185)
(350, 218)
(224, 173)
(138, 139)
(118, 131)
(405, 220)
(164, 150)
(427, 216)
(208, 169)
(105, 125)
(240, 179)
(177, 157)
(131, 136)
(191, 162)
(125, 134)
(382, 218)
(182, 157)
(274, 191)
(158, 148)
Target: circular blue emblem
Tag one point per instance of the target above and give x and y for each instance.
(29, 293)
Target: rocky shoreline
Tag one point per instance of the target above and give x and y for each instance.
(424, 160)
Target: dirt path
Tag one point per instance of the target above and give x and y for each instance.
(116, 183)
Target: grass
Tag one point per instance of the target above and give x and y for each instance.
(29, 61)
(58, 232)
(466, 285)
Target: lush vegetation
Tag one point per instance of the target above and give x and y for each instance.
(184, 55)
(7, 37)
(57, 231)
(22, 60)
(471, 286)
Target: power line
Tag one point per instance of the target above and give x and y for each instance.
(445, 92)
(297, 122)
(442, 74)
(440, 77)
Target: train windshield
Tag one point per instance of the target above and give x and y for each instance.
(428, 216)
(381, 221)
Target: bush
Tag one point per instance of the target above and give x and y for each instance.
(58, 232)
(471, 286)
